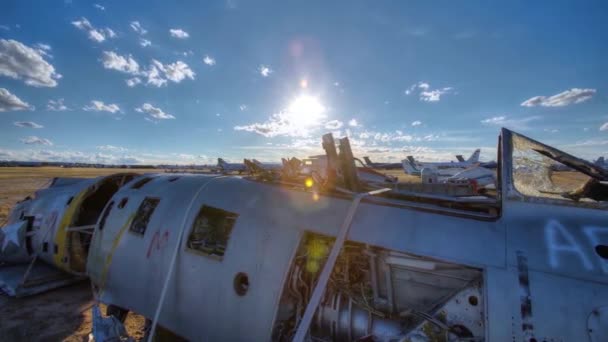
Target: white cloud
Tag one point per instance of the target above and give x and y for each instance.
(604, 127)
(56, 105)
(157, 74)
(96, 34)
(10, 102)
(264, 70)
(426, 93)
(334, 124)
(144, 42)
(353, 123)
(126, 64)
(132, 82)
(504, 121)
(179, 33)
(21, 62)
(154, 112)
(27, 124)
(99, 7)
(136, 26)
(434, 95)
(209, 60)
(111, 148)
(416, 123)
(43, 49)
(100, 106)
(110, 33)
(243, 107)
(302, 116)
(568, 97)
(33, 140)
(70, 156)
(387, 137)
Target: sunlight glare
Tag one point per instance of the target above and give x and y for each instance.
(306, 111)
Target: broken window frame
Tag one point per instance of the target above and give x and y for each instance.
(147, 219)
(579, 165)
(206, 210)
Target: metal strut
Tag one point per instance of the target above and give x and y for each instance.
(317, 294)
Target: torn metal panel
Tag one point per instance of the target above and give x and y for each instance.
(55, 227)
(16, 281)
(107, 328)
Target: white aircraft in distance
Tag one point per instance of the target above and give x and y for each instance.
(483, 178)
(268, 166)
(254, 166)
(386, 166)
(413, 167)
(226, 167)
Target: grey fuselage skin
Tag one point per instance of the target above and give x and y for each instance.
(542, 260)
(567, 279)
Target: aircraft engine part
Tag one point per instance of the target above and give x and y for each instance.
(383, 294)
(345, 320)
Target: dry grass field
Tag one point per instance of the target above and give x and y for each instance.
(63, 314)
(18, 182)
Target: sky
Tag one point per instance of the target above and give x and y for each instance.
(186, 82)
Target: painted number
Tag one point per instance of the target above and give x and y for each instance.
(158, 242)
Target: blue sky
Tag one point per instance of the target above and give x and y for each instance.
(190, 81)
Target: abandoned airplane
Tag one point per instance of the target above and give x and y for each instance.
(218, 257)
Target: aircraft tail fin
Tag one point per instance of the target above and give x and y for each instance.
(600, 161)
(474, 158)
(411, 159)
(460, 158)
(221, 162)
(409, 167)
(368, 161)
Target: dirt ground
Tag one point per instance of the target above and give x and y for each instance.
(63, 314)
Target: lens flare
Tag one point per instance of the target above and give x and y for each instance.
(305, 111)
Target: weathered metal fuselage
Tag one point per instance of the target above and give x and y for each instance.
(238, 260)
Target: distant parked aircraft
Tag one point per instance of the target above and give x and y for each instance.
(267, 166)
(386, 166)
(412, 166)
(226, 167)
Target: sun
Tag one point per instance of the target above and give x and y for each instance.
(306, 111)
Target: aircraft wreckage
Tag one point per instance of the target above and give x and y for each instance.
(329, 258)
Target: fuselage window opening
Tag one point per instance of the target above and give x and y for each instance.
(141, 183)
(211, 231)
(143, 215)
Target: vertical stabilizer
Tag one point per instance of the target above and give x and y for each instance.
(474, 158)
